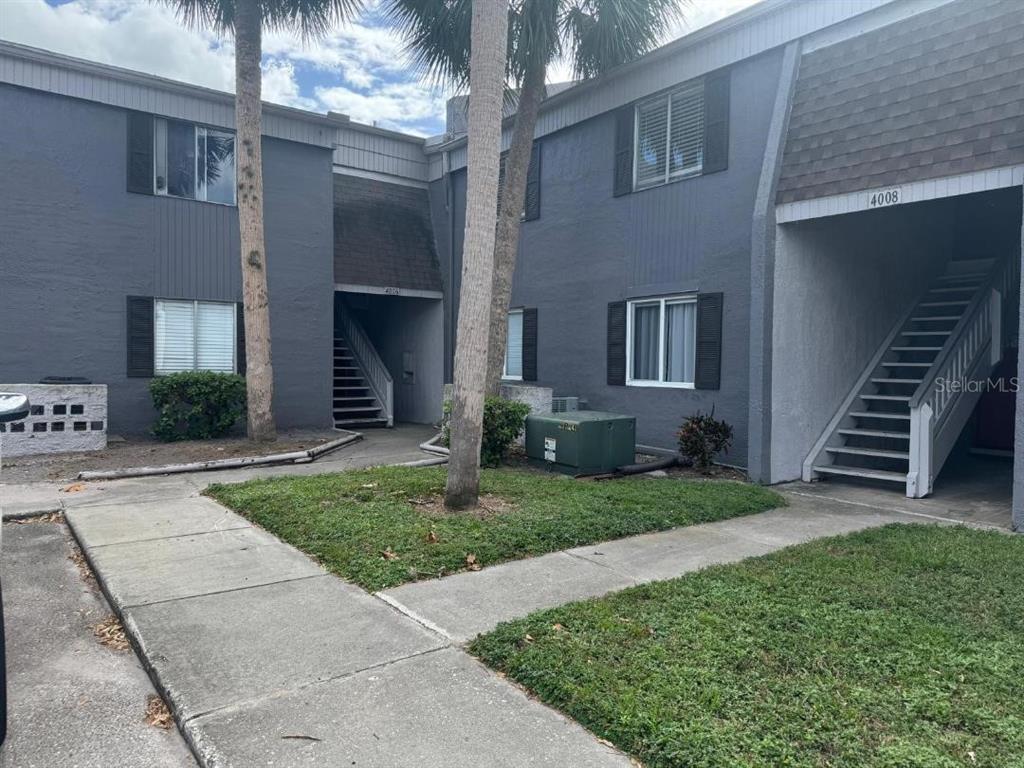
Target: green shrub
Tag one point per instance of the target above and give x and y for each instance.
(197, 405)
(503, 423)
(702, 437)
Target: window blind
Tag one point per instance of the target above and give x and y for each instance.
(514, 347)
(174, 334)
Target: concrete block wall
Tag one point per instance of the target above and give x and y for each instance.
(65, 418)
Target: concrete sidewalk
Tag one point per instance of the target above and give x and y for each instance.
(380, 446)
(268, 660)
(466, 604)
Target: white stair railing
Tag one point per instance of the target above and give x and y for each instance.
(943, 401)
(376, 373)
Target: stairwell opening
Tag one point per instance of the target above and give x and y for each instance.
(897, 328)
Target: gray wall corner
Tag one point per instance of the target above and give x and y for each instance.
(762, 267)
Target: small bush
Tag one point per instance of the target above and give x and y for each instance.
(197, 405)
(503, 423)
(702, 437)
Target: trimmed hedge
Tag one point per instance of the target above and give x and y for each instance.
(197, 405)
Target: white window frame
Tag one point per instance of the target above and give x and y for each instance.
(505, 363)
(669, 176)
(661, 301)
(197, 130)
(195, 331)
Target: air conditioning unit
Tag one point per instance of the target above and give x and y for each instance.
(581, 442)
(564, 404)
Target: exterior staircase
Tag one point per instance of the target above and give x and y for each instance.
(363, 393)
(899, 423)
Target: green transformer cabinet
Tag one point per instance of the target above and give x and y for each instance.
(581, 442)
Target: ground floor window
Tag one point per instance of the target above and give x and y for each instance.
(662, 339)
(194, 336)
(514, 347)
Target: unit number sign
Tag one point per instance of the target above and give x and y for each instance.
(883, 197)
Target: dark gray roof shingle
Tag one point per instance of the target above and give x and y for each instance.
(938, 94)
(383, 235)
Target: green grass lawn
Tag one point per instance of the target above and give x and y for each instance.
(898, 647)
(365, 526)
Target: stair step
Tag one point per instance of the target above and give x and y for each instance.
(375, 421)
(871, 474)
(944, 304)
(898, 364)
(363, 409)
(965, 276)
(959, 289)
(936, 319)
(915, 349)
(926, 333)
(887, 398)
(896, 381)
(876, 415)
(354, 399)
(875, 433)
(874, 452)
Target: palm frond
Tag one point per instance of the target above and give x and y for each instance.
(437, 37)
(310, 18)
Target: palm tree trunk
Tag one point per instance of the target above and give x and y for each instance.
(487, 76)
(513, 198)
(259, 374)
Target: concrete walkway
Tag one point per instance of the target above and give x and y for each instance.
(268, 660)
(463, 605)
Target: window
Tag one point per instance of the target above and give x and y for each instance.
(662, 338)
(514, 346)
(194, 162)
(669, 137)
(193, 336)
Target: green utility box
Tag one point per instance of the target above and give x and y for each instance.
(581, 442)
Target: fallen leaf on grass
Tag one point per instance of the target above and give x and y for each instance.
(388, 554)
(558, 627)
(471, 563)
(432, 538)
(73, 488)
(157, 713)
(110, 632)
(368, 485)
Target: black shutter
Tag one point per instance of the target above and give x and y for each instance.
(140, 153)
(709, 341)
(625, 118)
(617, 343)
(531, 208)
(240, 338)
(530, 344)
(716, 121)
(140, 337)
(501, 178)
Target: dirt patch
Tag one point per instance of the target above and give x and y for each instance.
(489, 505)
(144, 451)
(713, 473)
(46, 517)
(157, 713)
(82, 565)
(110, 632)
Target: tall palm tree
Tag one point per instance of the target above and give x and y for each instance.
(488, 36)
(247, 19)
(595, 35)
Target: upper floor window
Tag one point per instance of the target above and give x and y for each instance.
(661, 340)
(514, 346)
(193, 161)
(669, 136)
(194, 336)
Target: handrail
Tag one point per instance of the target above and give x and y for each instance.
(981, 297)
(377, 374)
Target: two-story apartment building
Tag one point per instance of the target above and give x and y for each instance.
(806, 217)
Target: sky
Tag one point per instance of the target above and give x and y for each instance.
(359, 69)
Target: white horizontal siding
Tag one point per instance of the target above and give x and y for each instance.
(380, 153)
(915, 192)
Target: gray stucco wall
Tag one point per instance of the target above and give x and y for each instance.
(75, 243)
(841, 284)
(401, 325)
(589, 248)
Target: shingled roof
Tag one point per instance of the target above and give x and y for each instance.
(938, 94)
(383, 236)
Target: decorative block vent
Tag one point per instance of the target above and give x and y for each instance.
(65, 418)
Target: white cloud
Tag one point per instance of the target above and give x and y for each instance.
(409, 106)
